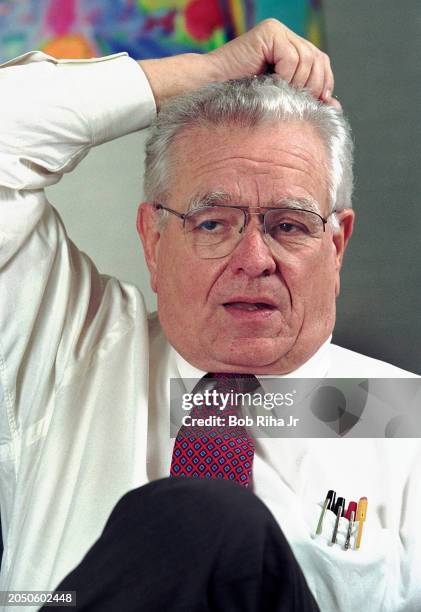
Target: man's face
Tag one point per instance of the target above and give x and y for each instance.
(204, 304)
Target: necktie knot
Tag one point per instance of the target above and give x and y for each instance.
(223, 393)
(242, 383)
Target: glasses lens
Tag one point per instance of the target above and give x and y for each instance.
(213, 231)
(290, 227)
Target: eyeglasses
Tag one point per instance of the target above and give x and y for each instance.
(214, 231)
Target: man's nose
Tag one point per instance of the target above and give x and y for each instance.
(252, 255)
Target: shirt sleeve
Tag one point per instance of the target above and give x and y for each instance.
(53, 303)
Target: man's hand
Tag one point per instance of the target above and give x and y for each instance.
(270, 43)
(273, 44)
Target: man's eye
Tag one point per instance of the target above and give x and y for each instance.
(288, 228)
(209, 225)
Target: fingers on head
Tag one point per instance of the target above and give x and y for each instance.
(305, 65)
(287, 64)
(313, 71)
(316, 80)
(329, 78)
(298, 61)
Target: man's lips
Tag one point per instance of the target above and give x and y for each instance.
(247, 304)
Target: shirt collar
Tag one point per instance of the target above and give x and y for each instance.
(315, 367)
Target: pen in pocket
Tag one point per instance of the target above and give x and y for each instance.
(339, 508)
(327, 504)
(361, 515)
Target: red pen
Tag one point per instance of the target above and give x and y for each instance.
(352, 507)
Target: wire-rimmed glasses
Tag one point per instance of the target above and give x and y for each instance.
(214, 231)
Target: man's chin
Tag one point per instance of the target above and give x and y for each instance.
(254, 354)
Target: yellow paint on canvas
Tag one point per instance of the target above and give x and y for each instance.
(238, 18)
(314, 33)
(149, 6)
(71, 46)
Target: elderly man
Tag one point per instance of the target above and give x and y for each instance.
(248, 187)
(231, 296)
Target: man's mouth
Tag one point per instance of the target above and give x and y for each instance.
(249, 306)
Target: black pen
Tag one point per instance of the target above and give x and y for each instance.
(331, 495)
(339, 508)
(329, 501)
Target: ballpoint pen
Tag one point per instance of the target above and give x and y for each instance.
(350, 526)
(330, 499)
(361, 516)
(339, 508)
(339, 502)
(352, 507)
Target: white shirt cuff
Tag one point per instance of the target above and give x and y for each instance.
(115, 96)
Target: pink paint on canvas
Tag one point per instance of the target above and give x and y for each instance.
(60, 16)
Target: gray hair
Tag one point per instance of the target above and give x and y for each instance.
(250, 102)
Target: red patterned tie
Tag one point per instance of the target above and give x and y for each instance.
(218, 451)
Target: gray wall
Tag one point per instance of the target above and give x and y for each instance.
(376, 52)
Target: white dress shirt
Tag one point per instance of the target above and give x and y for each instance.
(84, 374)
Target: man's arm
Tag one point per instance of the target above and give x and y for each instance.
(52, 305)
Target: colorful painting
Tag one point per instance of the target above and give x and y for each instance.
(143, 28)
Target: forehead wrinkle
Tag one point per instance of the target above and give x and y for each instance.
(219, 195)
(293, 148)
(308, 173)
(208, 165)
(272, 169)
(314, 156)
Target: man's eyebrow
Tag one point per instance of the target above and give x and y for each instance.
(222, 197)
(199, 200)
(302, 203)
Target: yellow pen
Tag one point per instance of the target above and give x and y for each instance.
(361, 516)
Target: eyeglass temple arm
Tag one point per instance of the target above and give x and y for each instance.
(170, 210)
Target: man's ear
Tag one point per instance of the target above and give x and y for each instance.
(341, 238)
(147, 228)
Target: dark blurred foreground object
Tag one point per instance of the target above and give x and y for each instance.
(187, 545)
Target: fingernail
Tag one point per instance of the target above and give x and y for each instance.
(327, 94)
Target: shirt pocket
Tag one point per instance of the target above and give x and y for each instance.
(345, 580)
